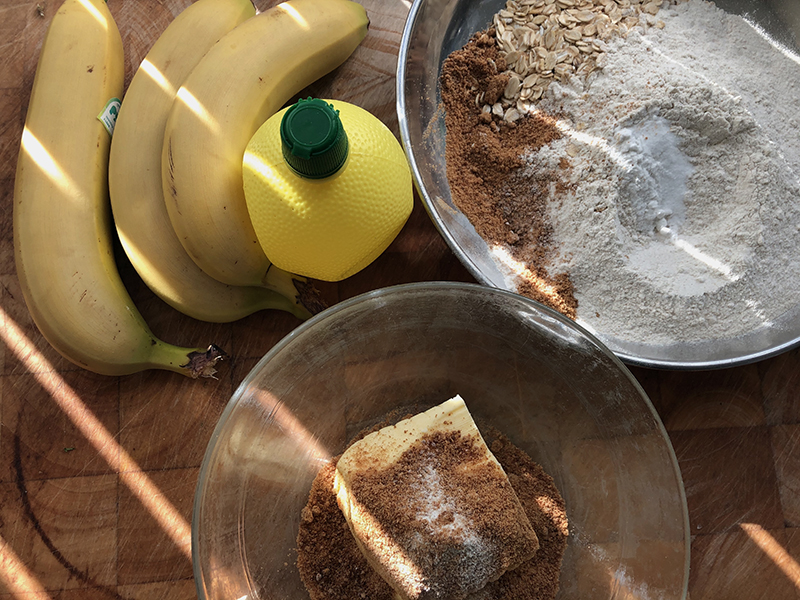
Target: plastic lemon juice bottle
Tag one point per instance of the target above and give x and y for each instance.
(328, 188)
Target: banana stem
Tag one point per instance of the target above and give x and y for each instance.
(296, 288)
(193, 363)
(278, 301)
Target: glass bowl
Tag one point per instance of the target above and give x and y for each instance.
(434, 29)
(551, 387)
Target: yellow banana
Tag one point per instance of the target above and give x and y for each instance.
(62, 217)
(134, 173)
(243, 80)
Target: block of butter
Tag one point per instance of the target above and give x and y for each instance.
(431, 508)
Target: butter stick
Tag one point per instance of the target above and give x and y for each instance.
(431, 508)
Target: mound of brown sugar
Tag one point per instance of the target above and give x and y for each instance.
(483, 154)
(333, 568)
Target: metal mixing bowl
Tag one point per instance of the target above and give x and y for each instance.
(433, 30)
(549, 386)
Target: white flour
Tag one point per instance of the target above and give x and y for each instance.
(682, 223)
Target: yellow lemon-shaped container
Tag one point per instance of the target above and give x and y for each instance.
(328, 188)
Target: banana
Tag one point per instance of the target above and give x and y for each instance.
(243, 80)
(134, 172)
(61, 216)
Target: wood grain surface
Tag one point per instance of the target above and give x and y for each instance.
(85, 459)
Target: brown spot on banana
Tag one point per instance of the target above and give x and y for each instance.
(171, 174)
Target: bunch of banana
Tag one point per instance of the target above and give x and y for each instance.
(137, 202)
(242, 81)
(62, 220)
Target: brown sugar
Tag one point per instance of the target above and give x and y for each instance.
(333, 568)
(483, 154)
(330, 563)
(535, 579)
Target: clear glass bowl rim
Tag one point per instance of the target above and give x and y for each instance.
(430, 287)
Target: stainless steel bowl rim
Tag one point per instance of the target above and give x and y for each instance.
(430, 207)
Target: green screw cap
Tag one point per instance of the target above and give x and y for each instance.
(313, 139)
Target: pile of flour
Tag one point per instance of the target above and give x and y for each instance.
(681, 216)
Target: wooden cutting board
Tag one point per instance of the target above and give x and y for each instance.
(97, 474)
